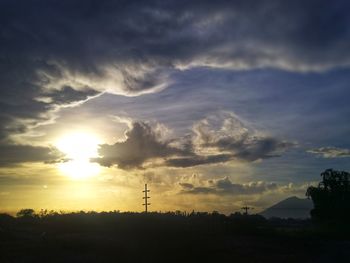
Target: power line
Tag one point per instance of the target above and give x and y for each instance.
(288, 208)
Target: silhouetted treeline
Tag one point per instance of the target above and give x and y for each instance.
(49, 236)
(142, 222)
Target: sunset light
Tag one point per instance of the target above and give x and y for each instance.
(79, 148)
(183, 131)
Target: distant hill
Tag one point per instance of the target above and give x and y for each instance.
(292, 207)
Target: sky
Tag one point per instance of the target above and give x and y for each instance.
(214, 104)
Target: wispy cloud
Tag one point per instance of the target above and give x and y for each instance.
(330, 152)
(97, 46)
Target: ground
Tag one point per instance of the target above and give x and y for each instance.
(129, 237)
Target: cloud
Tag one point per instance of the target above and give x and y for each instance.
(219, 138)
(199, 185)
(133, 47)
(330, 152)
(224, 186)
(142, 144)
(17, 154)
(224, 132)
(66, 95)
(198, 160)
(24, 102)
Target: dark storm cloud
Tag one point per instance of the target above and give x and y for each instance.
(225, 140)
(142, 144)
(132, 47)
(224, 186)
(330, 152)
(82, 35)
(16, 154)
(198, 160)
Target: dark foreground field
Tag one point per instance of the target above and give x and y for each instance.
(168, 237)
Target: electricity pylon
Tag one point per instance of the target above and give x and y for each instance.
(146, 197)
(246, 208)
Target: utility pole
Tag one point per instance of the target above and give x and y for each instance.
(146, 197)
(246, 208)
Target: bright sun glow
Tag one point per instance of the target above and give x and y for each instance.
(79, 148)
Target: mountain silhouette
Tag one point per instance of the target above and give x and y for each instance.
(292, 207)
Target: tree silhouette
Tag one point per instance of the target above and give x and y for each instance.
(332, 196)
(26, 213)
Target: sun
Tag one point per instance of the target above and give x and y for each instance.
(79, 148)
